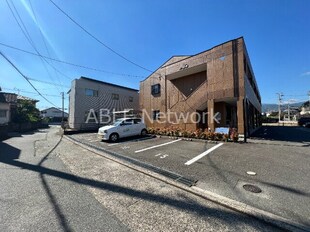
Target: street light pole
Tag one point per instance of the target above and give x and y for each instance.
(289, 113)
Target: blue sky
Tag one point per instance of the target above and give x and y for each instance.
(277, 35)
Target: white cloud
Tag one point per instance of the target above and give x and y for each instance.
(306, 74)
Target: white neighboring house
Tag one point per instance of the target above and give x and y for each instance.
(305, 110)
(89, 97)
(53, 113)
(8, 105)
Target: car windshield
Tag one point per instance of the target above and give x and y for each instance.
(117, 122)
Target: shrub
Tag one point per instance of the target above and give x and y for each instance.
(198, 134)
(233, 134)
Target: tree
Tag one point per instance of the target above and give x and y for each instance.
(26, 112)
(305, 104)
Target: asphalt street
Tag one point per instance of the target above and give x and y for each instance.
(32, 199)
(282, 171)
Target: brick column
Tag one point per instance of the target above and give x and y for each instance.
(240, 116)
(211, 112)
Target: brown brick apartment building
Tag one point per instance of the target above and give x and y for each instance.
(220, 79)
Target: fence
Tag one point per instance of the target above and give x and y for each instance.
(20, 128)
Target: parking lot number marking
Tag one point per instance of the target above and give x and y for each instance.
(162, 156)
(160, 145)
(125, 147)
(203, 154)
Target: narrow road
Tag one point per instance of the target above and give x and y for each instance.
(31, 200)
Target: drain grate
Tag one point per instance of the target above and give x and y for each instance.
(252, 188)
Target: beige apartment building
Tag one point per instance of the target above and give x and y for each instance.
(88, 94)
(215, 84)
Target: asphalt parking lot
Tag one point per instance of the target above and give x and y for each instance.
(282, 172)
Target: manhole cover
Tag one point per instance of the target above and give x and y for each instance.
(252, 188)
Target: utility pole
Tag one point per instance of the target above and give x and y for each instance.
(280, 95)
(16, 89)
(289, 113)
(63, 107)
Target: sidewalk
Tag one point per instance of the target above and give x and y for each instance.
(144, 203)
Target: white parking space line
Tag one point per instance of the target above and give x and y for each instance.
(160, 145)
(128, 141)
(113, 144)
(203, 154)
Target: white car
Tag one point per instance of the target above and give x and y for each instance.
(121, 128)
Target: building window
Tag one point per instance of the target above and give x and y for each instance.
(155, 89)
(156, 114)
(3, 113)
(115, 96)
(130, 99)
(91, 92)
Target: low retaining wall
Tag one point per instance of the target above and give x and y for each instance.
(23, 127)
(20, 128)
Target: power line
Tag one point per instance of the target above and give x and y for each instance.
(49, 83)
(27, 35)
(297, 95)
(44, 40)
(33, 44)
(98, 40)
(35, 17)
(69, 63)
(27, 79)
(25, 91)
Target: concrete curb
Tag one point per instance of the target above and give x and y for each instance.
(281, 222)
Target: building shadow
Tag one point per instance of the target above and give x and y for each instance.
(48, 190)
(8, 153)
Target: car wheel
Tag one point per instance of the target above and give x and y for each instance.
(114, 137)
(143, 132)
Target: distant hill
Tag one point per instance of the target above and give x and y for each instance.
(269, 107)
(274, 107)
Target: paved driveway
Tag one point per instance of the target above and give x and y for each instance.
(282, 172)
